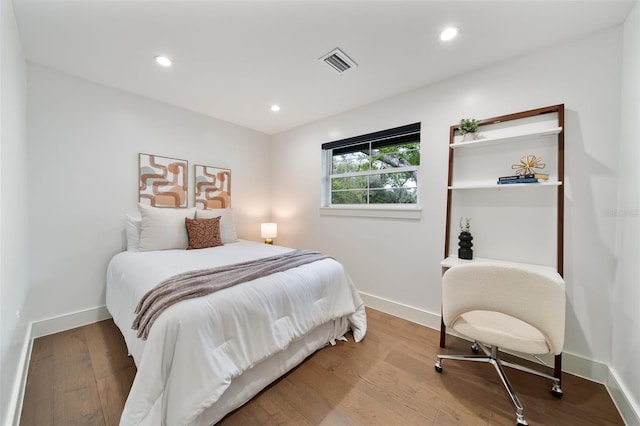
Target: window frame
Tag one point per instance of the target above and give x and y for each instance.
(394, 136)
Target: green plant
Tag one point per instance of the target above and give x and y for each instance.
(468, 125)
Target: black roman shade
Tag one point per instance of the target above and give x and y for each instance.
(395, 136)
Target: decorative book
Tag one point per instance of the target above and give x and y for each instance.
(539, 176)
(518, 180)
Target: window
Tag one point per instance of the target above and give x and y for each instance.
(374, 169)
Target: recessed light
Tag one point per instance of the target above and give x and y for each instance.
(163, 60)
(275, 108)
(448, 34)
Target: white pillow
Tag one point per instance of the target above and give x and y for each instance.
(227, 227)
(163, 228)
(134, 224)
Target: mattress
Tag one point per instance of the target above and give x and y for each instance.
(206, 356)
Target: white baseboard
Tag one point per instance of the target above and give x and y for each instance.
(400, 310)
(571, 363)
(629, 409)
(14, 407)
(68, 321)
(41, 328)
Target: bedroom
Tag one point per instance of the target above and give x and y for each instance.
(93, 134)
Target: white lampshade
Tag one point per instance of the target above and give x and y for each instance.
(269, 230)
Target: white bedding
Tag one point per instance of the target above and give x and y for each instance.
(200, 348)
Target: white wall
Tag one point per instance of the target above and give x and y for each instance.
(625, 360)
(14, 264)
(83, 145)
(399, 260)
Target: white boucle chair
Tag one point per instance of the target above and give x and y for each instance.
(507, 307)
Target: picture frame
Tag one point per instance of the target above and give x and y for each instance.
(162, 181)
(212, 187)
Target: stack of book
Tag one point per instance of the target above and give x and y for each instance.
(528, 178)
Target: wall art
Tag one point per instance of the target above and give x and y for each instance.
(212, 187)
(163, 181)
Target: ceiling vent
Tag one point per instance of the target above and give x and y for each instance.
(338, 61)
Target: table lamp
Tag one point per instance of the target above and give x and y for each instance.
(269, 231)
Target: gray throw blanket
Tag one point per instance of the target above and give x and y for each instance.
(206, 281)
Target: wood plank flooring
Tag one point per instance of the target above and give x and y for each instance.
(83, 376)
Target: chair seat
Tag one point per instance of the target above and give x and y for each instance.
(501, 330)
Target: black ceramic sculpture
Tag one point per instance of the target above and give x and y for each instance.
(464, 244)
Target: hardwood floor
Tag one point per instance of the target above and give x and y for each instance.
(83, 376)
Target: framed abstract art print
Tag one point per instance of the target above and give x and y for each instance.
(212, 187)
(163, 181)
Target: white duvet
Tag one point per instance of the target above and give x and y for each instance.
(197, 347)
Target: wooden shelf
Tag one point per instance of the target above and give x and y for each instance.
(506, 139)
(493, 185)
(471, 169)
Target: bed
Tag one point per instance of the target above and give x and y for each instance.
(206, 356)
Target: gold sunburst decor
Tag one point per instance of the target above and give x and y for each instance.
(527, 164)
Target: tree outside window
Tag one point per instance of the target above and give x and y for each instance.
(382, 171)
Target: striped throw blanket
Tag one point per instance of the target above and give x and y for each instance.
(206, 281)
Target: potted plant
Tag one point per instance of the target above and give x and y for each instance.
(468, 128)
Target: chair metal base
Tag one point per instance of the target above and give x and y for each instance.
(492, 357)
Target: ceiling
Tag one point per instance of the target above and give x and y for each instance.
(234, 59)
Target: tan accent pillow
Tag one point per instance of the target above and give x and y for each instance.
(203, 233)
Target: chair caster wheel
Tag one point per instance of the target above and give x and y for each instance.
(557, 393)
(474, 348)
(438, 367)
(520, 420)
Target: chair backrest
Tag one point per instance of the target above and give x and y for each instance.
(533, 297)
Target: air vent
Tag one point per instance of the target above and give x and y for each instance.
(338, 61)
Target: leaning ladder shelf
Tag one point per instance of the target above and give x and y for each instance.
(555, 184)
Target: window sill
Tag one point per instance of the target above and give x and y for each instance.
(407, 213)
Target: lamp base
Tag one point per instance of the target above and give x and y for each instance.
(268, 241)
